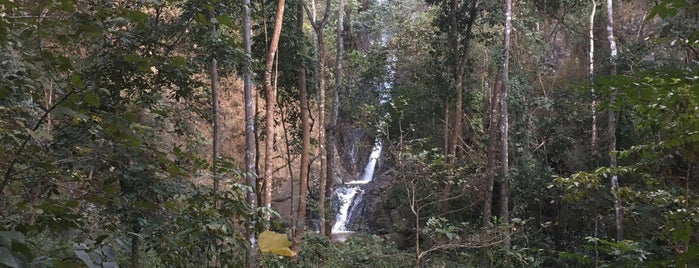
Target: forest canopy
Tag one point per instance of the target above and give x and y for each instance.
(345, 133)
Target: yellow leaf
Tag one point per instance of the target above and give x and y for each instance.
(275, 243)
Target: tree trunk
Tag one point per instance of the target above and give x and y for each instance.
(319, 81)
(135, 242)
(251, 196)
(504, 127)
(332, 125)
(323, 180)
(612, 124)
(458, 77)
(269, 109)
(215, 139)
(458, 110)
(460, 50)
(593, 106)
(305, 142)
(492, 150)
(446, 126)
(216, 147)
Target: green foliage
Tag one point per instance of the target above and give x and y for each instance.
(192, 216)
(666, 8)
(626, 252)
(656, 180)
(441, 227)
(358, 251)
(89, 93)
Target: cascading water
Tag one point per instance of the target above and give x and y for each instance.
(351, 193)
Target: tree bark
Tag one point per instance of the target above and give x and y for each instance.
(216, 147)
(492, 150)
(305, 142)
(504, 127)
(593, 105)
(446, 126)
(269, 109)
(319, 80)
(135, 242)
(215, 140)
(454, 40)
(250, 179)
(612, 124)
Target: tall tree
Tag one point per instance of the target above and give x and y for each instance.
(250, 177)
(491, 154)
(460, 43)
(305, 138)
(504, 127)
(593, 106)
(612, 124)
(319, 83)
(458, 29)
(270, 100)
(215, 120)
(332, 125)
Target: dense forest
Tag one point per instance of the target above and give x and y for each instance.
(345, 133)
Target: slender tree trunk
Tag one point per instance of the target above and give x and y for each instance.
(323, 180)
(612, 124)
(492, 150)
(458, 77)
(319, 81)
(460, 50)
(458, 110)
(593, 106)
(49, 103)
(216, 147)
(305, 141)
(332, 125)
(446, 126)
(135, 243)
(250, 179)
(269, 110)
(504, 127)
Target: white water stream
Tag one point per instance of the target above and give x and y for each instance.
(350, 193)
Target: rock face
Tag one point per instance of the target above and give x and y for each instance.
(381, 213)
(349, 147)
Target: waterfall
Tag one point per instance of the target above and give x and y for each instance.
(350, 194)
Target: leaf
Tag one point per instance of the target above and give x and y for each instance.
(23, 249)
(76, 81)
(136, 16)
(144, 205)
(92, 99)
(178, 61)
(4, 92)
(172, 170)
(275, 243)
(225, 20)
